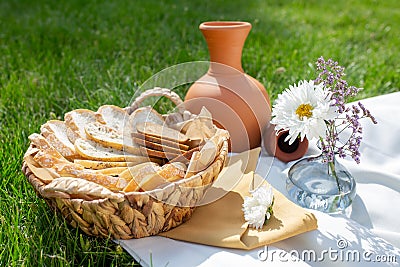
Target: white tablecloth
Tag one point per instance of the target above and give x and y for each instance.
(368, 234)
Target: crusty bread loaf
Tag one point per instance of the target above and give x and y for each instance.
(76, 121)
(115, 117)
(55, 132)
(94, 151)
(161, 131)
(109, 137)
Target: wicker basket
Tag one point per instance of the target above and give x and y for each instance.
(136, 214)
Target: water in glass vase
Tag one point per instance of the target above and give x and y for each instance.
(312, 183)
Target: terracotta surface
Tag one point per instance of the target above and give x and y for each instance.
(275, 145)
(238, 102)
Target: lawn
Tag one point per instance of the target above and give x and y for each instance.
(56, 56)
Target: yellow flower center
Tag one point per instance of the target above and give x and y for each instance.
(304, 110)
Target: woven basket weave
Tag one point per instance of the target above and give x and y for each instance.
(136, 214)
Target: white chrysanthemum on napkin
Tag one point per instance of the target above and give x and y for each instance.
(258, 208)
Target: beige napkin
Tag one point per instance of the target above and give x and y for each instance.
(221, 223)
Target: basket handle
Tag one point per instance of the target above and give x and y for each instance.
(157, 91)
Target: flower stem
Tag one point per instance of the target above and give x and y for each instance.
(331, 165)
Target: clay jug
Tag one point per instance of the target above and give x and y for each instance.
(276, 146)
(239, 103)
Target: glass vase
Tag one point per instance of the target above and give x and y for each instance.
(325, 186)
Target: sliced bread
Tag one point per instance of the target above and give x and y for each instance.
(40, 142)
(155, 146)
(99, 165)
(115, 117)
(162, 142)
(162, 132)
(173, 171)
(112, 171)
(137, 173)
(140, 170)
(109, 137)
(185, 157)
(76, 121)
(55, 132)
(141, 115)
(157, 154)
(152, 181)
(94, 151)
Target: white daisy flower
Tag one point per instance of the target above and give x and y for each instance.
(258, 207)
(303, 110)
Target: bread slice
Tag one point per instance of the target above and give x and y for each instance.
(155, 146)
(152, 181)
(60, 167)
(147, 152)
(109, 137)
(76, 121)
(94, 151)
(162, 132)
(55, 132)
(43, 174)
(173, 171)
(46, 160)
(141, 115)
(140, 170)
(185, 157)
(112, 171)
(131, 187)
(147, 177)
(200, 160)
(137, 173)
(99, 165)
(66, 168)
(40, 142)
(111, 182)
(115, 117)
(162, 142)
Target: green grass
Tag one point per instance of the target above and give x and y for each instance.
(56, 56)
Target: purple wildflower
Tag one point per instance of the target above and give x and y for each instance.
(331, 76)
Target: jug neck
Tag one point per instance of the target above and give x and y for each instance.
(225, 40)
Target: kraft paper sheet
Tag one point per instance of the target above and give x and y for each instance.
(221, 223)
